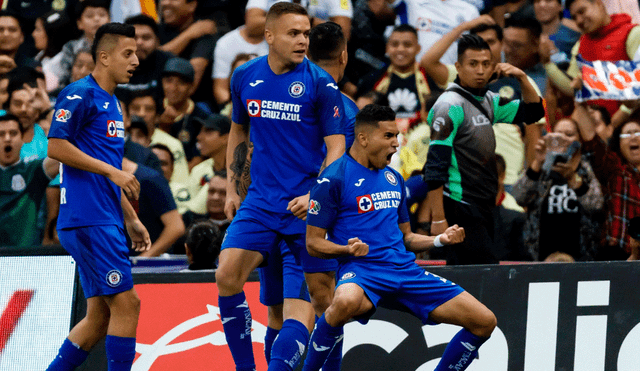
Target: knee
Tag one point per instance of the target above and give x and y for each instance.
(320, 298)
(228, 281)
(485, 324)
(132, 304)
(341, 310)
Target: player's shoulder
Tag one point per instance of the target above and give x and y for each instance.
(250, 65)
(317, 73)
(336, 171)
(80, 87)
(350, 107)
(398, 177)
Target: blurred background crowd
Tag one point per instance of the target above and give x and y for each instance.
(400, 53)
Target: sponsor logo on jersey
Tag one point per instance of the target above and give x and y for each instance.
(18, 183)
(390, 178)
(115, 129)
(106, 105)
(314, 207)
(73, 97)
(296, 89)
(332, 85)
(256, 83)
(438, 123)
(323, 180)
(62, 115)
(347, 276)
(378, 201)
(253, 107)
(359, 182)
(114, 278)
(480, 120)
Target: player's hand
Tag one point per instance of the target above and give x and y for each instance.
(140, 240)
(231, 205)
(507, 70)
(127, 182)
(299, 206)
(439, 227)
(357, 247)
(452, 235)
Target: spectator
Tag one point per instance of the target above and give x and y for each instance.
(559, 34)
(403, 82)
(179, 110)
(156, 208)
(179, 190)
(519, 9)
(338, 11)
(48, 41)
(83, 64)
(144, 104)
(136, 152)
(202, 245)
(248, 40)
(521, 48)
(191, 39)
(602, 120)
(90, 15)
(604, 37)
(138, 131)
(23, 186)
(212, 143)
(238, 61)
(11, 38)
(434, 19)
(148, 74)
(563, 202)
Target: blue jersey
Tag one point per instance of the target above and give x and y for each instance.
(91, 119)
(350, 112)
(350, 200)
(289, 114)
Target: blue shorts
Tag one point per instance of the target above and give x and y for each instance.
(102, 256)
(418, 290)
(282, 278)
(260, 230)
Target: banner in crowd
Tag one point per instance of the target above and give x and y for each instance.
(36, 301)
(609, 80)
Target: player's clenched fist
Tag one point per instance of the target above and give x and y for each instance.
(452, 235)
(357, 247)
(127, 182)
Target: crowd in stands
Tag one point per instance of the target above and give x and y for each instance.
(401, 53)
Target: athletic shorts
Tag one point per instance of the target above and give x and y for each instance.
(418, 290)
(260, 230)
(282, 278)
(102, 257)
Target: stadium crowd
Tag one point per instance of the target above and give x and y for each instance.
(401, 54)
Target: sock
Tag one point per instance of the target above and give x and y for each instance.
(289, 346)
(323, 340)
(69, 357)
(236, 321)
(461, 351)
(120, 352)
(335, 356)
(268, 342)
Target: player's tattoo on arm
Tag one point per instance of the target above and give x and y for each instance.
(241, 168)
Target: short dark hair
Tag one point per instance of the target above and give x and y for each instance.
(83, 5)
(606, 116)
(162, 147)
(141, 93)
(326, 42)
(485, 27)
(55, 23)
(281, 8)
(220, 173)
(113, 28)
(144, 20)
(473, 42)
(501, 165)
(20, 76)
(527, 23)
(204, 238)
(9, 13)
(567, 3)
(372, 114)
(6, 116)
(405, 28)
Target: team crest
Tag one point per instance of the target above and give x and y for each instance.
(112, 131)
(364, 204)
(18, 183)
(253, 107)
(62, 115)
(296, 89)
(314, 207)
(390, 178)
(347, 276)
(114, 278)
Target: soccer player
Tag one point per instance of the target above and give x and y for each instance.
(87, 137)
(360, 206)
(293, 109)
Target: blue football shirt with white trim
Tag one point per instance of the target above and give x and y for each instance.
(90, 119)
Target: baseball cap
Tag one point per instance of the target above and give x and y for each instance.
(215, 122)
(179, 67)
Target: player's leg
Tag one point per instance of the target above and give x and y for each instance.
(83, 336)
(275, 320)
(271, 295)
(349, 301)
(120, 343)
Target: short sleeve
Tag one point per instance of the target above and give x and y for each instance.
(221, 63)
(70, 114)
(444, 119)
(330, 108)
(324, 203)
(504, 111)
(203, 48)
(239, 113)
(403, 209)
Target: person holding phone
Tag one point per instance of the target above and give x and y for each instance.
(562, 196)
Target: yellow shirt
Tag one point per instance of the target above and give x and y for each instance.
(180, 165)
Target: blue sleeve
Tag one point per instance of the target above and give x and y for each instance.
(329, 106)
(239, 113)
(70, 114)
(403, 209)
(324, 203)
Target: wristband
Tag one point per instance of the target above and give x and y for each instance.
(439, 221)
(625, 109)
(436, 241)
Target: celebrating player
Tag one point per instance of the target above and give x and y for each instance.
(360, 205)
(293, 108)
(87, 137)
